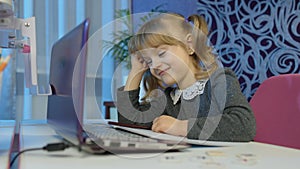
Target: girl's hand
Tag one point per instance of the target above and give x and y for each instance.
(138, 68)
(170, 125)
(138, 64)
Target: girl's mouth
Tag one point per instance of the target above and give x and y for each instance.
(161, 73)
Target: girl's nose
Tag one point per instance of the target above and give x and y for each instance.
(156, 63)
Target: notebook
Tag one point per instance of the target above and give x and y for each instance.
(66, 104)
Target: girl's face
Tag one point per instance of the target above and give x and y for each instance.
(171, 64)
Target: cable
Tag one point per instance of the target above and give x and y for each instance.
(49, 147)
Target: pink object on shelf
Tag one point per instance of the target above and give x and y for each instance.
(26, 49)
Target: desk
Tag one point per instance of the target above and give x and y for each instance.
(248, 156)
(6, 134)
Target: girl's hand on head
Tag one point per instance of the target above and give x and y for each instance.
(138, 68)
(170, 125)
(138, 64)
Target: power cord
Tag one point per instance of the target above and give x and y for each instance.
(49, 147)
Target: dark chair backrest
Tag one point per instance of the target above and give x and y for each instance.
(108, 105)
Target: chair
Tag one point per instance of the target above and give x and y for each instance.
(276, 106)
(108, 106)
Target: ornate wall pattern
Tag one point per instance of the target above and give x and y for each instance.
(256, 38)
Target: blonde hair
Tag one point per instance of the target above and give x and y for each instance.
(150, 83)
(172, 29)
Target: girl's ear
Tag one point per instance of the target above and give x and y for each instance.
(189, 43)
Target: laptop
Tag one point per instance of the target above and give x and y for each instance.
(66, 104)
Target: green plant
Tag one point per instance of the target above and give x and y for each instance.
(118, 47)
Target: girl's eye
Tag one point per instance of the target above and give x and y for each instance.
(161, 53)
(148, 62)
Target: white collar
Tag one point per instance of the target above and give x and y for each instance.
(189, 93)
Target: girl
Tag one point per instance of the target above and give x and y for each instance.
(197, 98)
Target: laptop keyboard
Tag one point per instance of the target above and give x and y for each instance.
(107, 133)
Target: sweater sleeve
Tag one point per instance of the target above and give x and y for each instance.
(132, 111)
(230, 117)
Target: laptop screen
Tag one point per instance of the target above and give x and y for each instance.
(67, 79)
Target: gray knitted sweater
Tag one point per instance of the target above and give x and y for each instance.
(220, 113)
